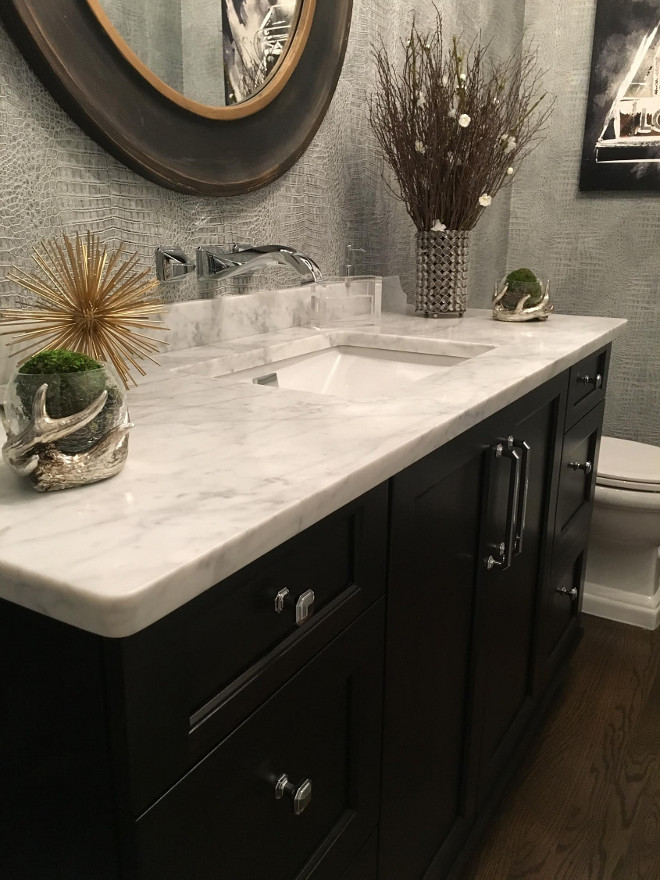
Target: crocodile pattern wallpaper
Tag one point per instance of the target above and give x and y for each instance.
(601, 251)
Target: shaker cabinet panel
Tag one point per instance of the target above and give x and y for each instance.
(235, 814)
(508, 594)
(560, 604)
(427, 806)
(587, 385)
(577, 481)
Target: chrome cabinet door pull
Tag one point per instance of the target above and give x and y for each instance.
(526, 450)
(304, 604)
(506, 549)
(300, 794)
(568, 591)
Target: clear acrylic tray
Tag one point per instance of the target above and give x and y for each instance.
(351, 300)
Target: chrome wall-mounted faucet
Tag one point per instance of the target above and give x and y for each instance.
(172, 264)
(216, 262)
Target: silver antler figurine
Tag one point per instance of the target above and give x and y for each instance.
(33, 452)
(539, 312)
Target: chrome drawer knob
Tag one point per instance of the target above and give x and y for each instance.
(568, 591)
(596, 381)
(300, 794)
(587, 467)
(304, 604)
(492, 562)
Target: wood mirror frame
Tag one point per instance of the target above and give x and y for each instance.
(169, 141)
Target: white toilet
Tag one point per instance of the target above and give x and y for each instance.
(623, 570)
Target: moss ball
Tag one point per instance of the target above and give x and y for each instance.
(59, 360)
(74, 382)
(520, 283)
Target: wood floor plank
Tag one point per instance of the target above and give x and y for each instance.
(575, 811)
(641, 860)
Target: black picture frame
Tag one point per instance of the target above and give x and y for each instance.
(78, 62)
(615, 156)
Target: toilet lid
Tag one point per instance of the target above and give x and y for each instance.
(624, 464)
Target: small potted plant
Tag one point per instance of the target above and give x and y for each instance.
(454, 127)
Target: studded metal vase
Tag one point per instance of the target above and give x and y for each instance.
(442, 274)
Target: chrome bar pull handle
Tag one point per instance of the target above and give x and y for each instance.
(587, 467)
(300, 794)
(525, 449)
(506, 450)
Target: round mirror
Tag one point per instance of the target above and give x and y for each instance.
(202, 96)
(210, 55)
(216, 53)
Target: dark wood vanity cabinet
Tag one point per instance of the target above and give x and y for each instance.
(461, 626)
(370, 738)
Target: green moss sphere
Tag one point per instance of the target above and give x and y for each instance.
(520, 283)
(74, 381)
(59, 360)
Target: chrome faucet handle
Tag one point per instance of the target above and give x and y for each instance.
(172, 264)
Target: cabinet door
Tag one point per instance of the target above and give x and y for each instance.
(508, 596)
(428, 803)
(230, 818)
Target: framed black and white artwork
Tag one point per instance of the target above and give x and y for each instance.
(621, 149)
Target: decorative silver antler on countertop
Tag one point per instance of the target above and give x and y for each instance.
(539, 312)
(33, 452)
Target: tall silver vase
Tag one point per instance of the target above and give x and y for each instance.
(442, 273)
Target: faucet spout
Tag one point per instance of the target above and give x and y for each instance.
(214, 262)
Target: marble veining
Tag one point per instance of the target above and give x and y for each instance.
(219, 473)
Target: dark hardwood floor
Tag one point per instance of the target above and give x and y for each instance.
(585, 804)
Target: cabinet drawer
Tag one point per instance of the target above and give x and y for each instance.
(224, 820)
(560, 604)
(180, 686)
(577, 478)
(587, 385)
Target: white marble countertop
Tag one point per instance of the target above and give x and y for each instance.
(219, 473)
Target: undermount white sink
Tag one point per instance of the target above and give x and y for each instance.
(358, 370)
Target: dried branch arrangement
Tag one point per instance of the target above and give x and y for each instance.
(90, 301)
(455, 126)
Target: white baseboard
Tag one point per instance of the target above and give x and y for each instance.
(624, 607)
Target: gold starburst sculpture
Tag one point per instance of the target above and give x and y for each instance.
(90, 301)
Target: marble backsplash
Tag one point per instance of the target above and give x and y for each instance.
(206, 321)
(198, 322)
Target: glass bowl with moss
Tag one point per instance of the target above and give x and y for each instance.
(74, 382)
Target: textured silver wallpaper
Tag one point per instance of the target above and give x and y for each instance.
(55, 179)
(601, 250)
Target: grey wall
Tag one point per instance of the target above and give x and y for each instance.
(601, 251)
